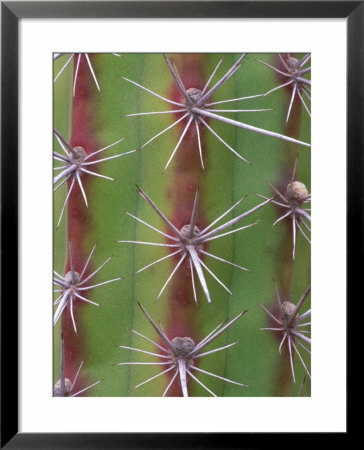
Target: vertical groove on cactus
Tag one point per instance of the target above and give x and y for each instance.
(134, 265)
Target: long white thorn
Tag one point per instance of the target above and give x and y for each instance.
(159, 330)
(65, 202)
(245, 126)
(59, 156)
(305, 225)
(304, 315)
(215, 335)
(72, 316)
(61, 306)
(179, 142)
(301, 336)
(86, 288)
(303, 233)
(153, 93)
(96, 174)
(303, 102)
(163, 131)
(196, 263)
(171, 275)
(76, 376)
(64, 67)
(95, 272)
(92, 71)
(283, 61)
(217, 376)
(273, 68)
(149, 243)
(104, 148)
(214, 350)
(155, 376)
(200, 383)
(177, 79)
(292, 100)
(230, 232)
(301, 345)
(303, 80)
(222, 141)
(160, 213)
(302, 361)
(170, 383)
(182, 376)
(87, 262)
(150, 340)
(64, 173)
(58, 275)
(291, 357)
(151, 113)
(90, 163)
(294, 235)
(193, 280)
(283, 217)
(81, 187)
(279, 87)
(230, 223)
(86, 389)
(277, 191)
(270, 314)
(199, 143)
(222, 216)
(151, 227)
(224, 260)
(76, 73)
(143, 351)
(60, 167)
(230, 100)
(303, 213)
(239, 110)
(304, 59)
(214, 276)
(223, 80)
(201, 343)
(282, 341)
(159, 260)
(143, 363)
(85, 299)
(212, 76)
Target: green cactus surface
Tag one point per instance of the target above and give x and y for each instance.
(96, 97)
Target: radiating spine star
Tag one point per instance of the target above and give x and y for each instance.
(76, 163)
(71, 286)
(294, 73)
(189, 240)
(296, 196)
(180, 354)
(196, 108)
(290, 324)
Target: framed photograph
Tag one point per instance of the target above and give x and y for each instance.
(171, 222)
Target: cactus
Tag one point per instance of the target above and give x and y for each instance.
(175, 151)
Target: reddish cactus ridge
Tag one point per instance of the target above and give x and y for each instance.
(83, 135)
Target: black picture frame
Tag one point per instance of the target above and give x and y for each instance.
(11, 12)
